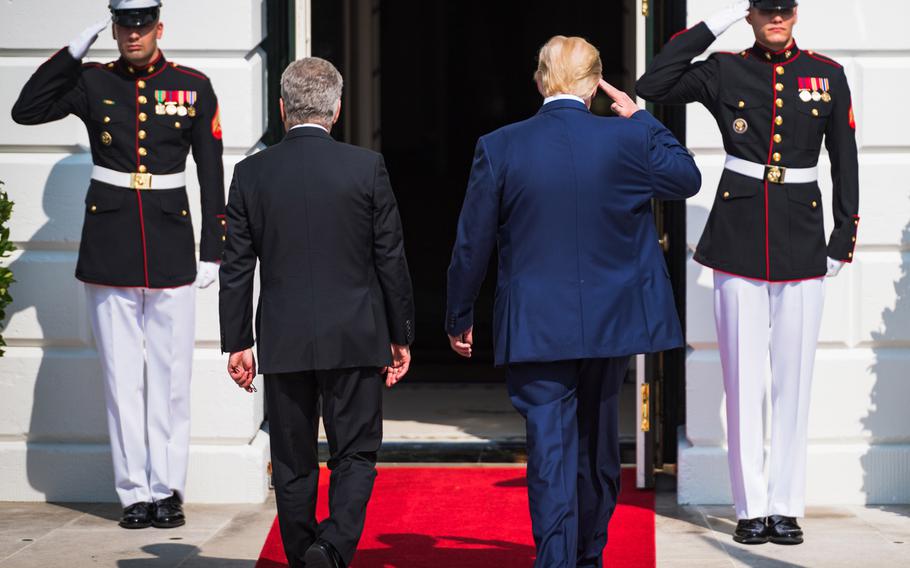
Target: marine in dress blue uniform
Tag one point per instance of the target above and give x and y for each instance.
(137, 252)
(765, 237)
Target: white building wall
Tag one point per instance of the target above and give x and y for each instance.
(859, 448)
(53, 434)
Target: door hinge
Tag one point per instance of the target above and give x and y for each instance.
(646, 407)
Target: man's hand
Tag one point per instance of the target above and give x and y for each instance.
(79, 46)
(242, 368)
(721, 21)
(834, 267)
(206, 274)
(623, 105)
(463, 343)
(401, 362)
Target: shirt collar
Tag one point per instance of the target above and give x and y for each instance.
(310, 125)
(561, 97)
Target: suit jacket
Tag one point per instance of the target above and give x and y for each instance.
(772, 108)
(566, 196)
(335, 291)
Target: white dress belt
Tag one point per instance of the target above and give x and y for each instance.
(773, 174)
(138, 180)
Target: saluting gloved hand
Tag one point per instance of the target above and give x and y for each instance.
(721, 21)
(79, 46)
(834, 267)
(206, 274)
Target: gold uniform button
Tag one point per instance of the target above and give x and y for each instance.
(143, 169)
(142, 134)
(814, 204)
(777, 138)
(94, 208)
(776, 157)
(780, 69)
(140, 84)
(107, 119)
(815, 112)
(106, 138)
(223, 222)
(852, 239)
(779, 103)
(177, 124)
(142, 100)
(183, 212)
(223, 237)
(779, 120)
(151, 69)
(726, 195)
(143, 117)
(849, 255)
(742, 104)
(856, 222)
(143, 152)
(110, 65)
(779, 87)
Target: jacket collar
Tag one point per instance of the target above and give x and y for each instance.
(155, 66)
(563, 104)
(770, 56)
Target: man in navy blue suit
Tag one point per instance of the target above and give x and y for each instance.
(582, 285)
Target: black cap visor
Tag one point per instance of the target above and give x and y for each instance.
(135, 18)
(774, 4)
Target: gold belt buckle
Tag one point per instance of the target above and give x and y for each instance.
(140, 181)
(775, 174)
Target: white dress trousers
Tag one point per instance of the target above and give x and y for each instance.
(753, 316)
(145, 342)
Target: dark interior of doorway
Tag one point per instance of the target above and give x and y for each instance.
(450, 72)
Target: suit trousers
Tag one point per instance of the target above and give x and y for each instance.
(144, 338)
(352, 415)
(754, 318)
(571, 409)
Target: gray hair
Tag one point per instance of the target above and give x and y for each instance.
(310, 87)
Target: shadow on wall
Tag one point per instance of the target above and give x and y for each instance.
(883, 480)
(68, 398)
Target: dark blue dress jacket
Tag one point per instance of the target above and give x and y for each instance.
(566, 198)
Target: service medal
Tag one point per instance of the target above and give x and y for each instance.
(190, 103)
(160, 96)
(191, 111)
(171, 109)
(181, 110)
(816, 96)
(826, 96)
(805, 96)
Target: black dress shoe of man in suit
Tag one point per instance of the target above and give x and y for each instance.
(137, 516)
(784, 530)
(751, 531)
(168, 513)
(322, 554)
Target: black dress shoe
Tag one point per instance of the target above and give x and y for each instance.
(784, 530)
(137, 516)
(751, 531)
(322, 554)
(168, 513)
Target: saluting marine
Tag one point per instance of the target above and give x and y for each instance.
(774, 104)
(137, 253)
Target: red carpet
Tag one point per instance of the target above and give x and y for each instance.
(439, 517)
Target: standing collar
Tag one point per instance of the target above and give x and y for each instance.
(155, 66)
(770, 56)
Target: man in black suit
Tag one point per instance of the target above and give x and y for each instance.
(335, 293)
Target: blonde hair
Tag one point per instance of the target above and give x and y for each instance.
(568, 65)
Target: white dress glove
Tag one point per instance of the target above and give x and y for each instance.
(79, 46)
(206, 274)
(721, 21)
(834, 267)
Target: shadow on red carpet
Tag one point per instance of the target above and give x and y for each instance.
(469, 517)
